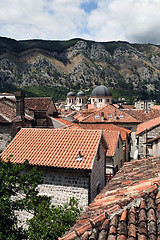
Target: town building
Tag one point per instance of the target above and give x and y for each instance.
(109, 114)
(154, 146)
(144, 104)
(73, 161)
(147, 131)
(18, 112)
(100, 96)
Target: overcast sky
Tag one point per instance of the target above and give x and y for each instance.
(100, 20)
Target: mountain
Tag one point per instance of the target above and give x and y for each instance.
(42, 67)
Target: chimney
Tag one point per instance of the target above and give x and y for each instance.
(20, 95)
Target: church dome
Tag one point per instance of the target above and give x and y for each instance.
(70, 94)
(101, 91)
(80, 94)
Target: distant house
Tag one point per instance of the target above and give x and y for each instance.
(11, 121)
(73, 161)
(114, 155)
(109, 114)
(18, 112)
(147, 131)
(39, 108)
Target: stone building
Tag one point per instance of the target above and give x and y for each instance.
(147, 131)
(12, 120)
(154, 146)
(18, 112)
(109, 114)
(73, 161)
(100, 96)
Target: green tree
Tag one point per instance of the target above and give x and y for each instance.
(51, 222)
(18, 191)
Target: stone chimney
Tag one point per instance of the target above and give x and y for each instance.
(20, 95)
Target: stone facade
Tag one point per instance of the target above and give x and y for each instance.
(8, 131)
(114, 163)
(142, 139)
(5, 135)
(61, 185)
(133, 141)
(154, 148)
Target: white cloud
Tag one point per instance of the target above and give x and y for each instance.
(129, 20)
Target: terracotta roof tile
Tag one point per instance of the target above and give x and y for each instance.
(111, 114)
(137, 209)
(8, 114)
(148, 125)
(56, 148)
(107, 127)
(156, 107)
(38, 104)
(111, 139)
(142, 115)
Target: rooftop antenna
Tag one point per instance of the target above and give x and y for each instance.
(80, 158)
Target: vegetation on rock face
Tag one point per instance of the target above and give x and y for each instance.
(18, 191)
(52, 68)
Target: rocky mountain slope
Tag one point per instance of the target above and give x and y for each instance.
(131, 70)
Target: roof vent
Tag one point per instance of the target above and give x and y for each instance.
(80, 158)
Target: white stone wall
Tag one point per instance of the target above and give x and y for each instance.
(133, 144)
(155, 151)
(97, 179)
(61, 185)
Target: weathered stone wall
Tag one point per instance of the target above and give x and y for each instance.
(61, 185)
(5, 136)
(143, 138)
(97, 179)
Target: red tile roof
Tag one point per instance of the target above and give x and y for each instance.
(8, 114)
(142, 115)
(148, 125)
(63, 121)
(127, 208)
(55, 148)
(156, 107)
(107, 127)
(111, 139)
(111, 114)
(38, 104)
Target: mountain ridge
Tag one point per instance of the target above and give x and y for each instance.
(129, 70)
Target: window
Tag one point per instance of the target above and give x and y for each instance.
(100, 99)
(109, 116)
(118, 144)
